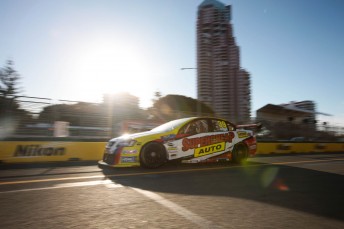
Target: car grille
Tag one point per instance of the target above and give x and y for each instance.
(109, 158)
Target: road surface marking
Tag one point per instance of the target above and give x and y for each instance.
(50, 179)
(107, 183)
(196, 219)
(308, 161)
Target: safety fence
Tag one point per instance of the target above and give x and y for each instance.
(43, 117)
(302, 132)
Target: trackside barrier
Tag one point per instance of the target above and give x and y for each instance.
(50, 151)
(299, 147)
(56, 151)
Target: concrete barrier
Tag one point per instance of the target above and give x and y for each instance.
(55, 151)
(299, 147)
(50, 151)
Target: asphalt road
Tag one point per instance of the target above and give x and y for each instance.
(295, 191)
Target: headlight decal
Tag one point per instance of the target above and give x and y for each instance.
(110, 143)
(129, 152)
(127, 143)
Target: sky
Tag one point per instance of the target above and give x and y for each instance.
(81, 49)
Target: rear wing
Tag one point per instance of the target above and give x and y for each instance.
(255, 127)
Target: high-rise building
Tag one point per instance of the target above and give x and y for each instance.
(221, 83)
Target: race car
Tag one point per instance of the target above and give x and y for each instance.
(189, 140)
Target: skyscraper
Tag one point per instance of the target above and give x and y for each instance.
(221, 83)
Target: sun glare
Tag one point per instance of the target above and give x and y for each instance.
(109, 68)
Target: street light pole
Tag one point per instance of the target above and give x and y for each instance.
(187, 68)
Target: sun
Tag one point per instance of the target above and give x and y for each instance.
(110, 68)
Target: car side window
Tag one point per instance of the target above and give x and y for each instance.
(195, 127)
(220, 126)
(230, 126)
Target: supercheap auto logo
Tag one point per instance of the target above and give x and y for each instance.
(202, 151)
(193, 143)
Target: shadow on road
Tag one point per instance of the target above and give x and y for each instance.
(299, 189)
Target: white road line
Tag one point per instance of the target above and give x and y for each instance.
(107, 183)
(196, 219)
(50, 179)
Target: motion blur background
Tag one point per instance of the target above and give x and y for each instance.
(101, 68)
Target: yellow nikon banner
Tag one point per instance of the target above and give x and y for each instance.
(298, 147)
(44, 151)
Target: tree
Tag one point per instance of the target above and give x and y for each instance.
(12, 117)
(157, 96)
(9, 78)
(9, 89)
(123, 106)
(177, 106)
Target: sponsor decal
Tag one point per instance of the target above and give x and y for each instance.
(168, 137)
(202, 151)
(243, 134)
(283, 147)
(38, 150)
(193, 143)
(172, 149)
(128, 152)
(128, 159)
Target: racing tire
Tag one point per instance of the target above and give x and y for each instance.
(239, 154)
(153, 155)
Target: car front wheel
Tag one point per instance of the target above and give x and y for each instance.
(153, 155)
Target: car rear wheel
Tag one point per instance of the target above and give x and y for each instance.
(240, 153)
(153, 155)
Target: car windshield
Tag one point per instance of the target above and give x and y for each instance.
(169, 125)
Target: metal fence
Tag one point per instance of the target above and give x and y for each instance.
(318, 131)
(39, 117)
(42, 117)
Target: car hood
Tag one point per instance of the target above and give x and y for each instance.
(138, 135)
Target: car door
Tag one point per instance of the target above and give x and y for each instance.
(223, 132)
(187, 139)
(201, 139)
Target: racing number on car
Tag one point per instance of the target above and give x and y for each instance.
(222, 124)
